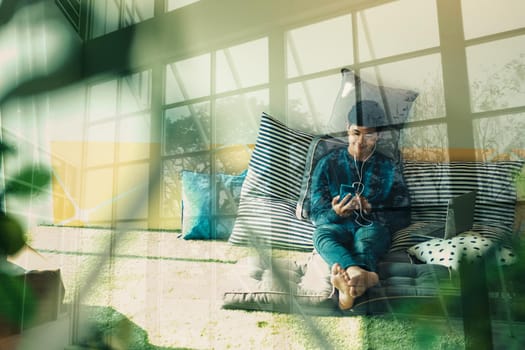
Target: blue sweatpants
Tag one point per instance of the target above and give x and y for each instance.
(339, 244)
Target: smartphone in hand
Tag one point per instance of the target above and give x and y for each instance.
(346, 189)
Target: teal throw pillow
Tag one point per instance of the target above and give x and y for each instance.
(208, 214)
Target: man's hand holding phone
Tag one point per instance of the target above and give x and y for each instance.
(345, 190)
(348, 201)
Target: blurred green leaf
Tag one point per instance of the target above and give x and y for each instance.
(18, 303)
(12, 237)
(5, 148)
(30, 181)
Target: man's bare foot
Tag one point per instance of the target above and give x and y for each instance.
(360, 280)
(341, 282)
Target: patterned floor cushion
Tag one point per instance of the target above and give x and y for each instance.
(287, 286)
(405, 289)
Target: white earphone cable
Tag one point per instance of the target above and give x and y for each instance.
(361, 187)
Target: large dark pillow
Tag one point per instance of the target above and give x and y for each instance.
(395, 102)
(209, 214)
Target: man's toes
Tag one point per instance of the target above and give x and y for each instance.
(358, 290)
(372, 279)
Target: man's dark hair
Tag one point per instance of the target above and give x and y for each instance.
(367, 113)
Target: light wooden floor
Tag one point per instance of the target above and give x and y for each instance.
(172, 289)
(169, 290)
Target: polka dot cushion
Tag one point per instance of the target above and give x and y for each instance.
(465, 247)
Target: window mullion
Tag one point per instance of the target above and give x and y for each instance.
(455, 76)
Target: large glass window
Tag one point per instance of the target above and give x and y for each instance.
(310, 102)
(105, 16)
(100, 144)
(429, 142)
(187, 129)
(134, 136)
(316, 51)
(212, 104)
(26, 155)
(188, 79)
(236, 117)
(486, 17)
(135, 11)
(422, 74)
(397, 28)
(132, 189)
(242, 66)
(98, 196)
(497, 81)
(111, 15)
(103, 100)
(176, 4)
(212, 98)
(495, 55)
(114, 166)
(135, 94)
(319, 46)
(501, 137)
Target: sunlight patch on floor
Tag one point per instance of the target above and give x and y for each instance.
(165, 286)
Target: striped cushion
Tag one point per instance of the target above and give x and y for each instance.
(273, 186)
(277, 164)
(408, 236)
(271, 189)
(271, 222)
(431, 185)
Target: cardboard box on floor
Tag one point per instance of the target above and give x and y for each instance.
(33, 291)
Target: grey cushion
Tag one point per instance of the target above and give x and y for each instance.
(289, 286)
(404, 288)
(275, 285)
